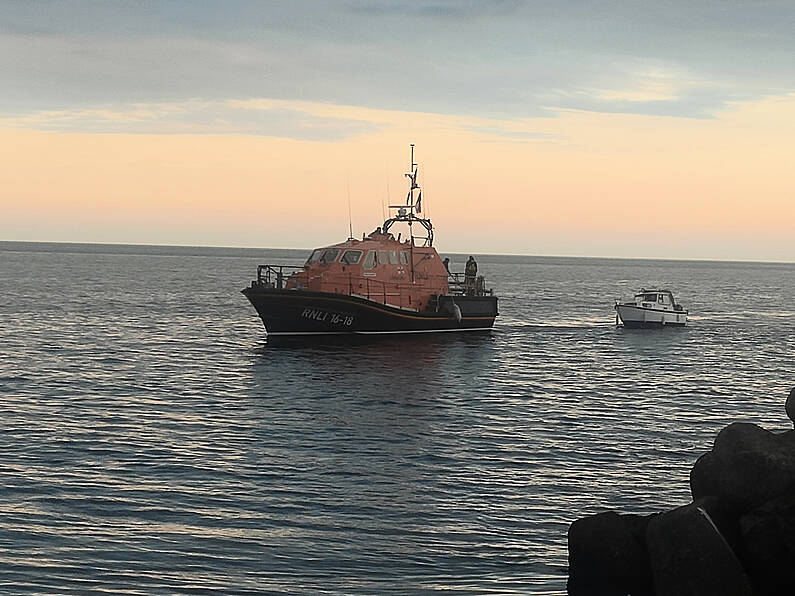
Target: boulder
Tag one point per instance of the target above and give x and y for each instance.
(746, 467)
(736, 539)
(607, 556)
(726, 521)
(690, 557)
(768, 534)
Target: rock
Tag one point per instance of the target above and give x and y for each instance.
(607, 556)
(690, 557)
(726, 521)
(768, 534)
(746, 467)
(736, 539)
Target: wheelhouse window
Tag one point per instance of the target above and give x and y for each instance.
(315, 256)
(329, 256)
(404, 258)
(383, 257)
(393, 258)
(650, 298)
(369, 260)
(351, 257)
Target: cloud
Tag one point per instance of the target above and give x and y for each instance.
(697, 102)
(505, 59)
(195, 117)
(653, 84)
(439, 8)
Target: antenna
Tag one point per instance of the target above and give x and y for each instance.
(388, 199)
(413, 177)
(350, 223)
(425, 183)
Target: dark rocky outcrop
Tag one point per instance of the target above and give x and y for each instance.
(746, 467)
(768, 535)
(737, 537)
(690, 557)
(607, 556)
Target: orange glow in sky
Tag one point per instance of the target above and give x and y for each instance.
(205, 131)
(587, 184)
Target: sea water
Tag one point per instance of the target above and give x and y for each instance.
(152, 440)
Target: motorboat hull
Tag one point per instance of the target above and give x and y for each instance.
(638, 317)
(301, 312)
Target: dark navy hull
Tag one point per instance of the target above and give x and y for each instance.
(300, 312)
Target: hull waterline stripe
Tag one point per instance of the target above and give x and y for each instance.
(425, 331)
(377, 332)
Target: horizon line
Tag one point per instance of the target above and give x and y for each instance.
(151, 245)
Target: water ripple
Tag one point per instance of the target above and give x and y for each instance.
(155, 442)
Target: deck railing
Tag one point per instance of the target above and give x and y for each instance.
(275, 276)
(457, 282)
(397, 293)
(460, 285)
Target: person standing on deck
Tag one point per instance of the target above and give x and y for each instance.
(470, 272)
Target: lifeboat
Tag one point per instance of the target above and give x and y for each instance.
(377, 285)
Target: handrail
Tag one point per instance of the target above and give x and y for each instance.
(383, 293)
(274, 276)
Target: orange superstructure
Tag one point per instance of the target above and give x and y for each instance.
(377, 267)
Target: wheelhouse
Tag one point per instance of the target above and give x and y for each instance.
(378, 267)
(663, 299)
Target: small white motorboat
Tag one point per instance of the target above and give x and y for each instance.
(651, 308)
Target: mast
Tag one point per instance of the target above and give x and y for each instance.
(350, 221)
(410, 200)
(407, 213)
(412, 176)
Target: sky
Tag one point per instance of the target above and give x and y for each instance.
(629, 129)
